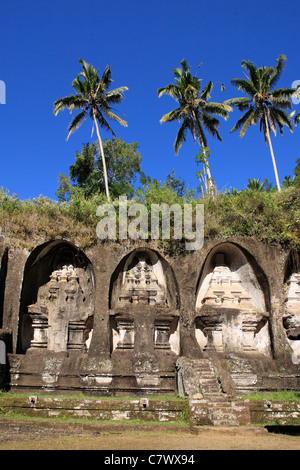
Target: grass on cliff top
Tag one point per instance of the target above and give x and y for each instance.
(267, 215)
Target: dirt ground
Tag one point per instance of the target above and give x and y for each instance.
(31, 435)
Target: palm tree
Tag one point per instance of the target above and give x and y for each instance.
(92, 97)
(256, 185)
(194, 111)
(263, 104)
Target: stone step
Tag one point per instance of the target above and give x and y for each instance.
(216, 408)
(209, 382)
(211, 394)
(206, 369)
(210, 388)
(208, 379)
(223, 416)
(225, 422)
(215, 398)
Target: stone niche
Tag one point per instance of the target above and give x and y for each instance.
(291, 316)
(143, 309)
(57, 306)
(291, 310)
(231, 313)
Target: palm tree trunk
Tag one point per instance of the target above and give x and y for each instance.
(102, 156)
(210, 182)
(206, 167)
(272, 153)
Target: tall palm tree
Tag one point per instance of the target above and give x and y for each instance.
(263, 104)
(92, 98)
(194, 111)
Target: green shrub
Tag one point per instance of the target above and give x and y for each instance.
(270, 216)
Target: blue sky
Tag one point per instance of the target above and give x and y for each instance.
(142, 41)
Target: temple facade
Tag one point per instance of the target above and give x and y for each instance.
(117, 318)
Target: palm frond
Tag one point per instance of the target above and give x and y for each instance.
(283, 93)
(171, 90)
(281, 117)
(243, 119)
(114, 117)
(297, 119)
(79, 86)
(205, 95)
(181, 136)
(253, 73)
(114, 96)
(68, 102)
(200, 133)
(102, 121)
(244, 85)
(171, 116)
(105, 80)
(180, 72)
(211, 124)
(282, 103)
(281, 63)
(272, 121)
(242, 103)
(220, 109)
(247, 123)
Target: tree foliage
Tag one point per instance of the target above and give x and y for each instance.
(86, 174)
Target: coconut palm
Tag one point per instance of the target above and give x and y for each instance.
(194, 111)
(92, 97)
(263, 104)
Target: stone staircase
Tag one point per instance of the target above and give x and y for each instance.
(220, 409)
(209, 405)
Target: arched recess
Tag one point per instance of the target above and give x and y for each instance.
(57, 300)
(160, 268)
(291, 313)
(292, 264)
(144, 291)
(232, 302)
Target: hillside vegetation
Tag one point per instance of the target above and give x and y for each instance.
(270, 216)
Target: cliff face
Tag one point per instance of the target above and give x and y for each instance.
(115, 316)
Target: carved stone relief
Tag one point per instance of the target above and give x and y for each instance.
(140, 284)
(291, 316)
(228, 317)
(140, 298)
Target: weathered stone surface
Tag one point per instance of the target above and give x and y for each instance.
(131, 311)
(274, 412)
(146, 410)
